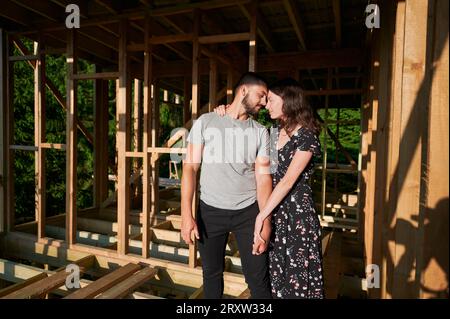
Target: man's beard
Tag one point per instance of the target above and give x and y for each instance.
(249, 109)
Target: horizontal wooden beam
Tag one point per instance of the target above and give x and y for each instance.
(105, 282)
(15, 58)
(224, 38)
(97, 76)
(127, 286)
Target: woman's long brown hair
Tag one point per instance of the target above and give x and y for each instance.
(295, 107)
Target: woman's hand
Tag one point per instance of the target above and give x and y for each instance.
(221, 109)
(258, 228)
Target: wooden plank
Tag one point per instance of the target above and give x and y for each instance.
(146, 140)
(195, 113)
(414, 106)
(434, 278)
(53, 146)
(394, 140)
(39, 137)
(155, 133)
(122, 140)
(127, 286)
(17, 286)
(9, 155)
(197, 294)
(185, 37)
(96, 76)
(40, 288)
(224, 38)
(71, 140)
(105, 282)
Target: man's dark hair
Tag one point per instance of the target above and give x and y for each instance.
(249, 78)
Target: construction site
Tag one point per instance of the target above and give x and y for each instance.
(97, 98)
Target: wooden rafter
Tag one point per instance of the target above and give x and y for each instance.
(294, 18)
(263, 31)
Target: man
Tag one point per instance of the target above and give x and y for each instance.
(235, 182)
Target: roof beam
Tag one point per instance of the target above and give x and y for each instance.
(296, 22)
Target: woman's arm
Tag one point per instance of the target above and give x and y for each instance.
(298, 164)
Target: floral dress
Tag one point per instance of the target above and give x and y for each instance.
(295, 249)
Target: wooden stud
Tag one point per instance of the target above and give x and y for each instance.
(71, 140)
(122, 142)
(10, 193)
(39, 137)
(434, 276)
(146, 140)
(155, 158)
(195, 108)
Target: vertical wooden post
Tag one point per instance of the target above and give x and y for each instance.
(154, 159)
(324, 162)
(10, 195)
(71, 140)
(229, 86)
(212, 84)
(39, 136)
(414, 110)
(434, 276)
(253, 36)
(195, 109)
(137, 137)
(123, 142)
(146, 170)
(101, 128)
(186, 100)
(3, 112)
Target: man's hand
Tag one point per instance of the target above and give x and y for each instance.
(188, 225)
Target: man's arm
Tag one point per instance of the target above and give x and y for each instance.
(263, 191)
(191, 167)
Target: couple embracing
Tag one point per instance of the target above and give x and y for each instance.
(256, 185)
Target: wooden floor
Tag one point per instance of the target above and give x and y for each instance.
(342, 261)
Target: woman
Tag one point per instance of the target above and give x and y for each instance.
(295, 245)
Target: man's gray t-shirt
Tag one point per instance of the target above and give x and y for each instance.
(231, 146)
